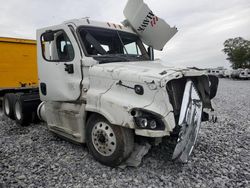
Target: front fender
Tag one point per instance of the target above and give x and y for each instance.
(115, 102)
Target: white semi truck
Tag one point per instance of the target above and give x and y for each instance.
(99, 85)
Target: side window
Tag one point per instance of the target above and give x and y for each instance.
(105, 47)
(57, 47)
(132, 48)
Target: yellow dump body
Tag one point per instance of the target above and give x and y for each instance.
(18, 63)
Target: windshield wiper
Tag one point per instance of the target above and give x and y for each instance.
(130, 56)
(110, 58)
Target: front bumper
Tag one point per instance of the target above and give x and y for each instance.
(206, 88)
(189, 122)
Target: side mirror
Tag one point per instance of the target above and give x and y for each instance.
(48, 36)
(151, 53)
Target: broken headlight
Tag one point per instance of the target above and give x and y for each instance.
(146, 120)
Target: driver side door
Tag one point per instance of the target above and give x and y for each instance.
(59, 64)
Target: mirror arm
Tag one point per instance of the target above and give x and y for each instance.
(151, 53)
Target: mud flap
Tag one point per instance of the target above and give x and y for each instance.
(189, 121)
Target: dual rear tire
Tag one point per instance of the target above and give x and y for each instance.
(21, 107)
(8, 105)
(22, 113)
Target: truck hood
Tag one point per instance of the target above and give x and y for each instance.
(141, 71)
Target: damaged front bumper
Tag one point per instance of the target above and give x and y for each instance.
(189, 122)
(190, 115)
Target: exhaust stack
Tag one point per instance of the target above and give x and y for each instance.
(41, 111)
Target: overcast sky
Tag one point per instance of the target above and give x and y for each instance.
(203, 24)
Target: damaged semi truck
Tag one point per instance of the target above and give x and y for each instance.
(99, 85)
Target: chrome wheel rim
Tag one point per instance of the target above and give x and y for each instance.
(103, 139)
(7, 107)
(18, 111)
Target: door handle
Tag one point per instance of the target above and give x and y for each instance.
(69, 68)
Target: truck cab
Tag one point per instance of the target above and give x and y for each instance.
(100, 85)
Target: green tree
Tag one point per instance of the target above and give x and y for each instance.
(238, 52)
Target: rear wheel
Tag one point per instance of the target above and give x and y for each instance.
(8, 105)
(109, 144)
(22, 113)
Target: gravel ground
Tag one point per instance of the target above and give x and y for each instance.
(33, 157)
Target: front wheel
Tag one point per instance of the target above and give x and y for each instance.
(109, 144)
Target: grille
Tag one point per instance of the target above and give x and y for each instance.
(175, 89)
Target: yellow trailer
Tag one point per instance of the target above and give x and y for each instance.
(19, 79)
(18, 67)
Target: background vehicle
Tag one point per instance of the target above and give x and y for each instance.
(219, 72)
(18, 78)
(236, 74)
(228, 73)
(245, 74)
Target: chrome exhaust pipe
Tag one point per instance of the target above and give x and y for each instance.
(41, 111)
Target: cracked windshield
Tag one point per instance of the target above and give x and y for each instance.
(106, 45)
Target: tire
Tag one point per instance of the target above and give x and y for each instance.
(22, 113)
(109, 144)
(8, 105)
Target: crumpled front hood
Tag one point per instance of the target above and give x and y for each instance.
(141, 71)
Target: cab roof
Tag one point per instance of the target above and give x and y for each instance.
(92, 23)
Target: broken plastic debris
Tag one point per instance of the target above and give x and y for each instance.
(136, 157)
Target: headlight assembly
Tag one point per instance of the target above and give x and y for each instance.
(146, 120)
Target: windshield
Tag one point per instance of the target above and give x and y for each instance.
(106, 45)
